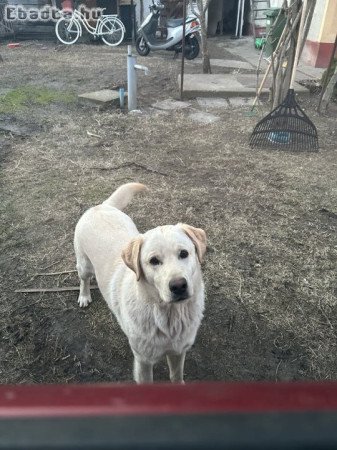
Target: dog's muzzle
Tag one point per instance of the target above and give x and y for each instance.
(179, 289)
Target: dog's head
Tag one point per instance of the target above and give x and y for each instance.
(168, 258)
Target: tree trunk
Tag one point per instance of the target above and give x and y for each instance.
(206, 63)
(202, 8)
(329, 90)
(291, 53)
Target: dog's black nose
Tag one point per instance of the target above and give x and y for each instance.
(178, 287)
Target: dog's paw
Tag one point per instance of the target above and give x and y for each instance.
(84, 301)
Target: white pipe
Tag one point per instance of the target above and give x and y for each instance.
(132, 79)
(140, 67)
(242, 16)
(237, 18)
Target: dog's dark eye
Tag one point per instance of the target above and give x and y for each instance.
(183, 254)
(154, 261)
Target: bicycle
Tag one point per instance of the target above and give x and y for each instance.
(108, 27)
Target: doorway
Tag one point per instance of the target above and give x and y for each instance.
(222, 16)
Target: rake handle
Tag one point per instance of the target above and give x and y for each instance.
(298, 45)
(281, 41)
(268, 69)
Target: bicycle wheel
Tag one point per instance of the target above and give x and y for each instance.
(112, 32)
(67, 30)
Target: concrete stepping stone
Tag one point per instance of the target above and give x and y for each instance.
(213, 85)
(213, 102)
(171, 105)
(225, 85)
(203, 117)
(240, 101)
(103, 98)
(231, 64)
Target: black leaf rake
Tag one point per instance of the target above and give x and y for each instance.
(287, 127)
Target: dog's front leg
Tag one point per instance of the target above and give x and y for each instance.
(142, 371)
(176, 367)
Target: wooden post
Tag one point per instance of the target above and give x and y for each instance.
(183, 52)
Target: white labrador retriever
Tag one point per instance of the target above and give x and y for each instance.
(152, 282)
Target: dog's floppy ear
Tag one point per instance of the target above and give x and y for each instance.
(131, 256)
(198, 237)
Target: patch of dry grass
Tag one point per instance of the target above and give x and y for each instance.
(269, 216)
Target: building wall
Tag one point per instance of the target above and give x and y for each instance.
(321, 37)
(329, 30)
(317, 19)
(146, 4)
(322, 32)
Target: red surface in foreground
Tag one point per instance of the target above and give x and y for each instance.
(194, 398)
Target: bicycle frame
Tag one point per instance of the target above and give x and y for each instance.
(79, 17)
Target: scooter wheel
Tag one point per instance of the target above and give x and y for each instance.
(141, 46)
(192, 47)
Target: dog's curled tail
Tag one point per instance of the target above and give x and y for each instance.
(124, 194)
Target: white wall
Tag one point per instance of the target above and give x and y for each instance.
(146, 3)
(317, 19)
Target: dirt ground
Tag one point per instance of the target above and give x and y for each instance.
(270, 217)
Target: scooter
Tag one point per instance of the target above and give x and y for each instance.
(147, 34)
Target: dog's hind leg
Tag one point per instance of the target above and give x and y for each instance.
(176, 367)
(85, 272)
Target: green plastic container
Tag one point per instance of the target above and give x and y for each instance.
(274, 26)
(259, 42)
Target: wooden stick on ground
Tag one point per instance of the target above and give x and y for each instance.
(47, 274)
(56, 289)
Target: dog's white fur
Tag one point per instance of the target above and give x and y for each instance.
(109, 246)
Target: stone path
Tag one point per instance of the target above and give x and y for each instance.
(199, 113)
(226, 85)
(102, 98)
(230, 64)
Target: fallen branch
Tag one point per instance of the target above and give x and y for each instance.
(93, 135)
(131, 164)
(56, 289)
(47, 274)
(51, 265)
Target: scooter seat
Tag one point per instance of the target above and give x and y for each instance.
(173, 23)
